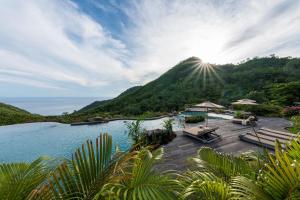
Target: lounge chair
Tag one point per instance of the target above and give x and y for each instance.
(204, 134)
(244, 122)
(267, 137)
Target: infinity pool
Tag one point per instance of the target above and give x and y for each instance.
(26, 142)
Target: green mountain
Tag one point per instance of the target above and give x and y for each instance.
(269, 80)
(13, 115)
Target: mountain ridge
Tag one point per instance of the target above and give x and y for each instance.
(192, 81)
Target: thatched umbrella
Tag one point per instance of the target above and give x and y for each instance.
(249, 102)
(207, 105)
(245, 102)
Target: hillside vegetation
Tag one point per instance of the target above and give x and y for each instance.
(269, 80)
(13, 115)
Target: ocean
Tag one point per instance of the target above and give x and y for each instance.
(50, 105)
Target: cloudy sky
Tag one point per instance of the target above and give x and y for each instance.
(102, 47)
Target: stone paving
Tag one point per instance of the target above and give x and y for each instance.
(177, 152)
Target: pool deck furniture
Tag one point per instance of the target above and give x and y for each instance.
(244, 122)
(203, 133)
(178, 152)
(266, 137)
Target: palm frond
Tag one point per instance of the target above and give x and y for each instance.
(226, 165)
(84, 175)
(244, 188)
(281, 177)
(138, 179)
(293, 149)
(204, 185)
(20, 180)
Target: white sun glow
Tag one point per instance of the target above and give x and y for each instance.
(204, 71)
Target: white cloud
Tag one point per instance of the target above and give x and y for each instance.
(165, 32)
(53, 41)
(53, 44)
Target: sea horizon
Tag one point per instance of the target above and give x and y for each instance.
(50, 105)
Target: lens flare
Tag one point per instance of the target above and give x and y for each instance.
(205, 71)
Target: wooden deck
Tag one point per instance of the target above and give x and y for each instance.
(177, 152)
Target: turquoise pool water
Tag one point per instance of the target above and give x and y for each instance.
(26, 142)
(210, 115)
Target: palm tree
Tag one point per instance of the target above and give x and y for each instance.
(279, 179)
(223, 176)
(84, 175)
(139, 180)
(95, 173)
(212, 178)
(20, 181)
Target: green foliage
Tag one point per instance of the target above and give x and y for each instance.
(261, 109)
(227, 166)
(20, 180)
(296, 124)
(204, 185)
(238, 115)
(194, 119)
(138, 180)
(13, 115)
(87, 172)
(266, 80)
(168, 125)
(135, 131)
(285, 93)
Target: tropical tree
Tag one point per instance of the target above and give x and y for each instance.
(94, 172)
(85, 174)
(20, 181)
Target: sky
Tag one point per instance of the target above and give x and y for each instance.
(99, 48)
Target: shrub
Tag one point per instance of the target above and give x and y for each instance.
(291, 111)
(296, 124)
(241, 115)
(194, 119)
(262, 109)
(168, 125)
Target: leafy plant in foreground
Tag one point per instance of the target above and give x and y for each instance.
(20, 181)
(139, 180)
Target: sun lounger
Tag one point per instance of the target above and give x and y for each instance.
(267, 137)
(279, 132)
(260, 142)
(276, 135)
(204, 134)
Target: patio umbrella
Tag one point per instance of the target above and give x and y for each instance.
(207, 105)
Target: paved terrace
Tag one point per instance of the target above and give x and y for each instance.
(177, 152)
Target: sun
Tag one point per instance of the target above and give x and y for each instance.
(205, 71)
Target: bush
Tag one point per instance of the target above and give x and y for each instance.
(168, 125)
(241, 115)
(194, 119)
(262, 109)
(296, 124)
(291, 111)
(157, 137)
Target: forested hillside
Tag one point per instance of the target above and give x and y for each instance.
(13, 115)
(270, 80)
